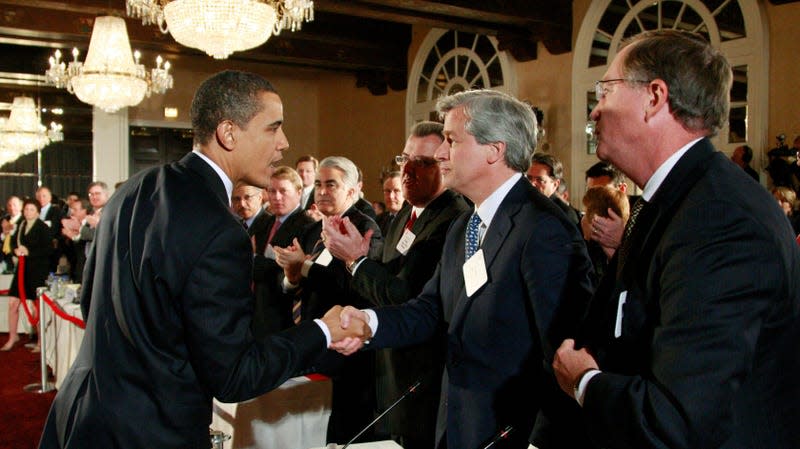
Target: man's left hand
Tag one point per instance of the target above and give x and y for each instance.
(570, 363)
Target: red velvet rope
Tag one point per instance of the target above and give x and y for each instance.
(33, 320)
(57, 309)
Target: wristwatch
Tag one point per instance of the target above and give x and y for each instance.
(354, 263)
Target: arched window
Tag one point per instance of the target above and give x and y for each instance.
(736, 27)
(451, 61)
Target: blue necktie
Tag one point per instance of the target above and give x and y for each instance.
(473, 226)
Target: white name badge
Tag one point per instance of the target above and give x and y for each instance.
(618, 323)
(405, 242)
(48, 223)
(475, 273)
(324, 258)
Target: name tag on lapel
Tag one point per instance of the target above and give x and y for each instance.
(620, 306)
(325, 258)
(475, 273)
(405, 242)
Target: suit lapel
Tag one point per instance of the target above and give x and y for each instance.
(496, 234)
(658, 214)
(394, 233)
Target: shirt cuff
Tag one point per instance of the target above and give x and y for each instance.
(373, 320)
(288, 286)
(307, 264)
(356, 265)
(325, 331)
(581, 390)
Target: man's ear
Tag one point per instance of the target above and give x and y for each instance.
(225, 135)
(658, 101)
(496, 152)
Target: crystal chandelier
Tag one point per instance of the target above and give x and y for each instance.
(23, 132)
(111, 78)
(221, 27)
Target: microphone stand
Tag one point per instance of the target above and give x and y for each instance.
(500, 436)
(410, 390)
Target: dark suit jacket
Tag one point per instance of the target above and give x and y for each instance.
(708, 352)
(53, 216)
(37, 263)
(501, 339)
(260, 223)
(366, 208)
(395, 280)
(167, 310)
(273, 308)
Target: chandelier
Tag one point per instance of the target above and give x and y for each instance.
(111, 78)
(23, 132)
(221, 27)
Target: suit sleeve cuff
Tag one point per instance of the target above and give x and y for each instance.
(580, 389)
(325, 331)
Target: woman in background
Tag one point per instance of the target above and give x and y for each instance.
(33, 241)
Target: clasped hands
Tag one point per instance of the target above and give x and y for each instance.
(349, 328)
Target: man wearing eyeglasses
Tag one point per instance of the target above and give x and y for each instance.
(247, 202)
(691, 339)
(412, 248)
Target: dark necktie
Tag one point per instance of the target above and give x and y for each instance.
(244, 224)
(472, 240)
(625, 245)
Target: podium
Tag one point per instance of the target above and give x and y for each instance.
(295, 415)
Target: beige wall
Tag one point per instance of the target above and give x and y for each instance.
(324, 113)
(784, 71)
(327, 115)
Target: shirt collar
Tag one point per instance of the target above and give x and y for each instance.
(489, 207)
(661, 173)
(226, 181)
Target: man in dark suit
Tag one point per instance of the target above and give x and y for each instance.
(512, 281)
(306, 167)
(273, 308)
(393, 200)
(74, 247)
(546, 173)
(693, 344)
(51, 216)
(412, 248)
(167, 301)
(324, 282)
(247, 202)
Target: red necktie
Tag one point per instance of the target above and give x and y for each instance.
(411, 220)
(273, 230)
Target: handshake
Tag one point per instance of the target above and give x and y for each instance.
(349, 328)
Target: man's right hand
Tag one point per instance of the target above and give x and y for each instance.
(349, 328)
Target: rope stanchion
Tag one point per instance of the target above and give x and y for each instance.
(44, 386)
(33, 320)
(61, 314)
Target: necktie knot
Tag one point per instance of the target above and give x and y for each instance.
(473, 236)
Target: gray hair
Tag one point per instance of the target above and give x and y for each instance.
(493, 116)
(346, 166)
(427, 128)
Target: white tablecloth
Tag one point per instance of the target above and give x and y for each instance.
(294, 416)
(23, 327)
(62, 338)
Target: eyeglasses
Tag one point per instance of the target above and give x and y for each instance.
(600, 91)
(246, 198)
(420, 162)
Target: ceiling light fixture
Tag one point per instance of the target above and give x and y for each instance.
(111, 78)
(221, 27)
(23, 132)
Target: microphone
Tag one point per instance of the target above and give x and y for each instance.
(502, 435)
(410, 390)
